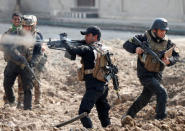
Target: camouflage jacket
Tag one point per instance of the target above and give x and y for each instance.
(39, 58)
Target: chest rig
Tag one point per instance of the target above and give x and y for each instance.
(99, 70)
(150, 63)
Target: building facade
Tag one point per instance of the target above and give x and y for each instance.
(140, 10)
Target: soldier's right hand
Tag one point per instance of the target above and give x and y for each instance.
(139, 50)
(31, 65)
(66, 45)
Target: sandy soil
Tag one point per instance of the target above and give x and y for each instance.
(62, 93)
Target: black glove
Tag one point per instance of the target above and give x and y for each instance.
(66, 45)
(37, 49)
(32, 64)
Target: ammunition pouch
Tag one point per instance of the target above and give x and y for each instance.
(99, 74)
(152, 64)
(80, 73)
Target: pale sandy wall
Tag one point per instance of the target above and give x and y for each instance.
(6, 9)
(143, 9)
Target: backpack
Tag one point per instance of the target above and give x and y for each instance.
(99, 70)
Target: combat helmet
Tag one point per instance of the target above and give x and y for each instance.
(160, 23)
(29, 20)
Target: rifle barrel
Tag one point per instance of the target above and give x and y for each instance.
(72, 120)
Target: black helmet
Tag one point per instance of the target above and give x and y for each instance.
(160, 23)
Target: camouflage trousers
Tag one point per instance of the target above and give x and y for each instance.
(36, 85)
(38, 69)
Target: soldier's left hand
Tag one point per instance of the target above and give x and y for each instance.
(166, 60)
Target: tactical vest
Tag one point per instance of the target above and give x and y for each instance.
(150, 63)
(99, 70)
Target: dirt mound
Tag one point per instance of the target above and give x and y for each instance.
(62, 93)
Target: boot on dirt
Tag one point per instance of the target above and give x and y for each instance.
(127, 120)
(20, 105)
(9, 104)
(37, 104)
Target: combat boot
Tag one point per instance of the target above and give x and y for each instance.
(88, 129)
(19, 105)
(161, 116)
(37, 104)
(9, 104)
(127, 120)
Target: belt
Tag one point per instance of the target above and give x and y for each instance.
(88, 71)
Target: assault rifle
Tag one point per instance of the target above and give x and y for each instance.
(72, 120)
(25, 65)
(29, 69)
(60, 44)
(147, 49)
(112, 71)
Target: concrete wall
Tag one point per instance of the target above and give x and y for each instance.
(6, 9)
(143, 9)
(47, 8)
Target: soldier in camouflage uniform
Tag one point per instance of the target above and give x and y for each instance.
(37, 61)
(16, 26)
(16, 57)
(15, 29)
(16, 23)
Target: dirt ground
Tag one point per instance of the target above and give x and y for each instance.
(62, 93)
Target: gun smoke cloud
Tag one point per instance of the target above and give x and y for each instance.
(27, 40)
